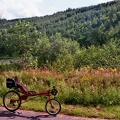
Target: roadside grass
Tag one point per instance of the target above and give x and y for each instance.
(85, 92)
(108, 112)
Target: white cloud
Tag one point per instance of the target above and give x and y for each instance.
(28, 8)
(104, 1)
(20, 9)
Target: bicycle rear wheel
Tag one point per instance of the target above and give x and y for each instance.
(53, 107)
(11, 101)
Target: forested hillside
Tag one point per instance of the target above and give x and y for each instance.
(82, 36)
(88, 25)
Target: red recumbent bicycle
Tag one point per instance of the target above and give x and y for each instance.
(12, 100)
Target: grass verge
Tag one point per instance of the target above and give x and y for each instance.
(108, 112)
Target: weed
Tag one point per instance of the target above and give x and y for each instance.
(84, 87)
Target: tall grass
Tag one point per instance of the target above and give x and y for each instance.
(85, 86)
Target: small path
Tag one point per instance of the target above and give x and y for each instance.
(31, 115)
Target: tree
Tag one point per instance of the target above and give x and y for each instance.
(42, 51)
(19, 41)
(51, 51)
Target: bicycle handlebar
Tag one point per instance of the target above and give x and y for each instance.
(54, 91)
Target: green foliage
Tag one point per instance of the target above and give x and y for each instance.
(107, 56)
(63, 62)
(66, 40)
(5, 67)
(87, 94)
(82, 88)
(89, 25)
(18, 39)
(56, 51)
(42, 51)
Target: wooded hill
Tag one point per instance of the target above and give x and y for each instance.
(97, 25)
(88, 25)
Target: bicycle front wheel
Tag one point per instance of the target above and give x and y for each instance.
(53, 107)
(11, 101)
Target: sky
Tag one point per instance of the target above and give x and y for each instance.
(13, 9)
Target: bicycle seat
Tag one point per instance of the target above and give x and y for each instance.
(22, 87)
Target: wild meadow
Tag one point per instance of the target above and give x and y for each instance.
(84, 87)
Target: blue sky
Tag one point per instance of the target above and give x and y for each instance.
(12, 9)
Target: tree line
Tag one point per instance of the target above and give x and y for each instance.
(65, 40)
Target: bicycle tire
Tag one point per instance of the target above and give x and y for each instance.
(8, 99)
(53, 107)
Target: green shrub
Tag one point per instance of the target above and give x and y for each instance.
(5, 67)
(64, 62)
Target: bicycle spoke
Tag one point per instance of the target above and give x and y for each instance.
(53, 107)
(12, 101)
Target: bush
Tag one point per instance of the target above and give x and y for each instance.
(5, 67)
(63, 62)
(108, 56)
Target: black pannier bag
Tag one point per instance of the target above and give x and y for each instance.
(10, 83)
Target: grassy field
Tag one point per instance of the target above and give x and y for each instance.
(85, 92)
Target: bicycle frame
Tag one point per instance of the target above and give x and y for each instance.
(27, 94)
